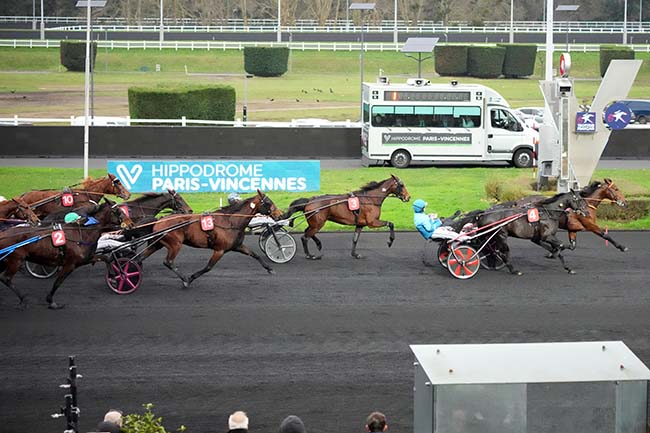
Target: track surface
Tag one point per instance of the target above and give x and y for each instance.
(326, 340)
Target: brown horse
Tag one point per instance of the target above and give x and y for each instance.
(226, 235)
(320, 209)
(593, 194)
(47, 201)
(16, 207)
(78, 249)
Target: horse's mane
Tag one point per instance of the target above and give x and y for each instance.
(590, 189)
(146, 196)
(371, 185)
(236, 206)
(553, 199)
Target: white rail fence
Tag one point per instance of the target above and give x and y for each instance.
(298, 46)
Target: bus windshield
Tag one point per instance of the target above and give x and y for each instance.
(432, 116)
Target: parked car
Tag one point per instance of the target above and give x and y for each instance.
(640, 109)
(536, 113)
(100, 121)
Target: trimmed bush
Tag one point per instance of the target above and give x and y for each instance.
(173, 102)
(73, 55)
(266, 61)
(610, 52)
(519, 60)
(485, 62)
(450, 59)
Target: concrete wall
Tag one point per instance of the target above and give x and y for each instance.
(226, 142)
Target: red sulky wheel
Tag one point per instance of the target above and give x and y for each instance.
(123, 276)
(443, 254)
(463, 262)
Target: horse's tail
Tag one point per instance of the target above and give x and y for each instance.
(295, 206)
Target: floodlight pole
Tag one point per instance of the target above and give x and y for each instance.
(395, 25)
(512, 19)
(33, 14)
(87, 91)
(162, 30)
(640, 15)
(43, 22)
(548, 76)
(361, 7)
(625, 22)
(279, 20)
(347, 15)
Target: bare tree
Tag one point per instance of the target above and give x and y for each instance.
(320, 10)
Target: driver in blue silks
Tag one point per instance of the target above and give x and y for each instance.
(425, 223)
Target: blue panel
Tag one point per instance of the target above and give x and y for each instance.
(217, 176)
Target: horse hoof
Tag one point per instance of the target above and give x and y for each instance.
(55, 306)
(357, 256)
(549, 256)
(571, 271)
(270, 271)
(390, 244)
(624, 249)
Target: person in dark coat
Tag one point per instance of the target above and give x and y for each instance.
(292, 424)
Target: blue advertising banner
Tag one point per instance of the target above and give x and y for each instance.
(586, 122)
(618, 116)
(217, 176)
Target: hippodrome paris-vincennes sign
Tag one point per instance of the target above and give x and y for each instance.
(217, 176)
(428, 138)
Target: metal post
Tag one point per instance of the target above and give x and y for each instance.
(279, 20)
(87, 91)
(548, 76)
(33, 14)
(347, 15)
(625, 23)
(512, 19)
(395, 25)
(92, 78)
(245, 107)
(43, 22)
(361, 69)
(641, 15)
(162, 29)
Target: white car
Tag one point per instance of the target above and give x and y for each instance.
(100, 121)
(536, 113)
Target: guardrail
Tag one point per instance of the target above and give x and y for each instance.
(183, 121)
(297, 46)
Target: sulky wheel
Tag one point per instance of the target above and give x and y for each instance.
(40, 271)
(443, 254)
(281, 250)
(264, 235)
(463, 262)
(491, 260)
(123, 276)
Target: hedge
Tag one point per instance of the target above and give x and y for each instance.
(610, 52)
(485, 62)
(266, 61)
(450, 59)
(519, 60)
(173, 102)
(73, 55)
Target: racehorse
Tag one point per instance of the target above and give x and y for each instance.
(44, 202)
(227, 233)
(337, 208)
(18, 208)
(78, 249)
(541, 232)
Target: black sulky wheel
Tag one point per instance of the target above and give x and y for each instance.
(40, 271)
(443, 254)
(281, 248)
(463, 262)
(123, 275)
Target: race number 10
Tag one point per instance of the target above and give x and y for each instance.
(67, 199)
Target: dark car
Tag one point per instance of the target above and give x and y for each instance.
(640, 110)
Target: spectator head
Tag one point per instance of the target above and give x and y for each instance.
(114, 416)
(376, 422)
(292, 424)
(238, 420)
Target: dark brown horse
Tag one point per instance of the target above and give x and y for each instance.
(226, 235)
(78, 249)
(320, 209)
(46, 201)
(16, 208)
(594, 194)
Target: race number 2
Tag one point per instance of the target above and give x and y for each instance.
(67, 199)
(58, 238)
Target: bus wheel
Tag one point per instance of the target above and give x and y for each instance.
(400, 159)
(523, 158)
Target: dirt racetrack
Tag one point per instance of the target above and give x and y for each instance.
(326, 340)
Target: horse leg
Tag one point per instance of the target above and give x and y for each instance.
(247, 251)
(66, 270)
(555, 246)
(310, 232)
(600, 232)
(355, 239)
(216, 255)
(503, 251)
(7, 278)
(391, 229)
(172, 252)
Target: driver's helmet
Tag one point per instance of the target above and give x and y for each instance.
(233, 197)
(419, 205)
(71, 217)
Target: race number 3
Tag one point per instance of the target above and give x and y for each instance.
(207, 223)
(58, 238)
(67, 200)
(533, 215)
(353, 203)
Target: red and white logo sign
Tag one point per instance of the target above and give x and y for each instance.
(533, 215)
(67, 199)
(565, 64)
(125, 210)
(58, 238)
(353, 203)
(207, 223)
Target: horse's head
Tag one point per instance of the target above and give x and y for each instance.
(613, 193)
(111, 213)
(178, 203)
(265, 206)
(398, 188)
(23, 211)
(116, 187)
